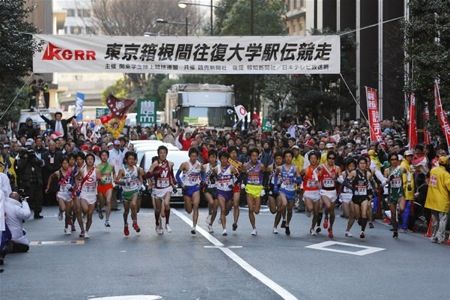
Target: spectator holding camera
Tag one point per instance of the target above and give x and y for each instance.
(29, 172)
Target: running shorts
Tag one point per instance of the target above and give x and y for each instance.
(332, 195)
(290, 195)
(190, 190)
(128, 195)
(254, 190)
(359, 199)
(104, 188)
(212, 191)
(90, 198)
(312, 195)
(345, 197)
(65, 196)
(227, 195)
(236, 188)
(161, 193)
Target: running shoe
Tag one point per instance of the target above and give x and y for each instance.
(60, 215)
(330, 233)
(318, 229)
(107, 223)
(168, 229)
(362, 235)
(395, 235)
(275, 231)
(325, 223)
(86, 235)
(126, 232)
(224, 232)
(287, 230)
(312, 232)
(283, 224)
(193, 230)
(81, 234)
(67, 231)
(136, 227)
(100, 214)
(348, 234)
(371, 225)
(73, 228)
(210, 228)
(235, 226)
(159, 230)
(254, 232)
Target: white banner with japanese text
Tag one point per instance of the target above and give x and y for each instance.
(189, 55)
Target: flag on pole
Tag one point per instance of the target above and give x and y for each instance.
(241, 112)
(412, 130)
(426, 119)
(374, 117)
(440, 114)
(79, 102)
(118, 107)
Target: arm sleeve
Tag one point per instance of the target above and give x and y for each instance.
(178, 176)
(24, 212)
(69, 119)
(46, 120)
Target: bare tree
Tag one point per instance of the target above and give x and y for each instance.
(135, 17)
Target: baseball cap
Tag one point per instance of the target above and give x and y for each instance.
(110, 144)
(330, 145)
(296, 147)
(409, 152)
(116, 142)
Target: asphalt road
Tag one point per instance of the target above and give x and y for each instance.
(240, 266)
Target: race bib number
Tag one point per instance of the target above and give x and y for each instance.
(396, 183)
(328, 183)
(312, 184)
(106, 179)
(163, 182)
(361, 190)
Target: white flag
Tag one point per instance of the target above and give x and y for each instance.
(241, 112)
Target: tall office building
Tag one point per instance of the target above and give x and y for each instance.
(378, 59)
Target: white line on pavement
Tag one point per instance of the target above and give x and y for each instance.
(237, 259)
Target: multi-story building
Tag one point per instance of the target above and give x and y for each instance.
(378, 56)
(296, 17)
(76, 17)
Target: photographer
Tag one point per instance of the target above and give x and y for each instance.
(29, 175)
(17, 211)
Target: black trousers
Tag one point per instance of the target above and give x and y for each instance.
(34, 191)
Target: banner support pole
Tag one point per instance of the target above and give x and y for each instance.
(354, 99)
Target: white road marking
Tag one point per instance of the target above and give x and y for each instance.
(237, 259)
(325, 246)
(128, 297)
(56, 243)
(229, 247)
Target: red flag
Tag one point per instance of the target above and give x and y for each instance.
(374, 117)
(412, 133)
(440, 114)
(118, 107)
(426, 119)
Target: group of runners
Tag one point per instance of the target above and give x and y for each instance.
(322, 185)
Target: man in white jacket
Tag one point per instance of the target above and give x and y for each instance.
(5, 191)
(16, 213)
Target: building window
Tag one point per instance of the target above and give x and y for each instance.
(66, 29)
(90, 30)
(75, 30)
(84, 13)
(71, 12)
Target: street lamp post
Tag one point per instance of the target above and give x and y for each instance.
(183, 4)
(185, 24)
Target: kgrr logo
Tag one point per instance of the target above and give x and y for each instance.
(53, 52)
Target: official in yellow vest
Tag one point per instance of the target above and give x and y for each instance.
(438, 199)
